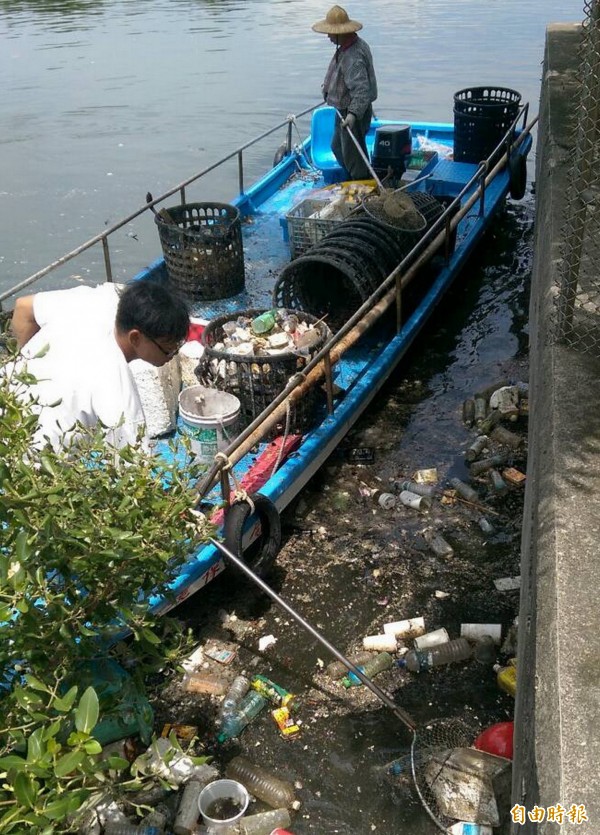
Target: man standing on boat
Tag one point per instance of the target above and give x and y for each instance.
(78, 344)
(351, 87)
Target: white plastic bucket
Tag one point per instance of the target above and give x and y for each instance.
(226, 792)
(209, 418)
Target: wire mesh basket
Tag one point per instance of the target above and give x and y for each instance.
(257, 380)
(203, 251)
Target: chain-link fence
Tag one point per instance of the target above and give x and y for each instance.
(578, 291)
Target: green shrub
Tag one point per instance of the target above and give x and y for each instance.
(84, 539)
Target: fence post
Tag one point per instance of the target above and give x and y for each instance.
(584, 173)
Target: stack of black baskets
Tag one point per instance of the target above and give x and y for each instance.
(482, 116)
(202, 247)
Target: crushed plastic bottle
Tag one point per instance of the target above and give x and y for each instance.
(428, 490)
(239, 687)
(438, 544)
(337, 669)
(261, 783)
(493, 419)
(478, 467)
(417, 661)
(464, 490)
(506, 437)
(382, 661)
(499, 485)
(469, 412)
(263, 823)
(485, 525)
(187, 811)
(235, 722)
(480, 409)
(476, 448)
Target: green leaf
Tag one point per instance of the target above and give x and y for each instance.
(86, 715)
(34, 682)
(12, 763)
(117, 763)
(68, 763)
(35, 745)
(150, 636)
(57, 809)
(65, 703)
(92, 746)
(53, 729)
(22, 549)
(25, 789)
(48, 465)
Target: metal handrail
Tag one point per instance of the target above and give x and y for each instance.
(105, 234)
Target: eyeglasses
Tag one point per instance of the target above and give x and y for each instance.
(170, 354)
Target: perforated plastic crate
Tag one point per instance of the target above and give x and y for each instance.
(305, 231)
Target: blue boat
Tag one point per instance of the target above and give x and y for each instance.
(366, 345)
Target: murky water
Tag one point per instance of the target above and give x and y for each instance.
(104, 100)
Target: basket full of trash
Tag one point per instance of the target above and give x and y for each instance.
(253, 356)
(202, 248)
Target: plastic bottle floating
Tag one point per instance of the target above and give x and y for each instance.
(417, 661)
(261, 783)
(381, 662)
(234, 723)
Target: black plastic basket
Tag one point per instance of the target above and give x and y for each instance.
(203, 250)
(256, 381)
(335, 276)
(482, 116)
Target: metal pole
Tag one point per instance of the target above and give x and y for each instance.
(240, 172)
(404, 717)
(107, 265)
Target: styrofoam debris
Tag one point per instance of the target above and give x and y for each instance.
(265, 642)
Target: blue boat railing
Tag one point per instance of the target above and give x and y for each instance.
(103, 237)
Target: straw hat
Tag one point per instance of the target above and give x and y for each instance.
(337, 22)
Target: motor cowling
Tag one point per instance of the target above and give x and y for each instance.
(392, 147)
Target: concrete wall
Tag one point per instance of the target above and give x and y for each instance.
(557, 718)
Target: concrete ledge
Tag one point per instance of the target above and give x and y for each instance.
(557, 718)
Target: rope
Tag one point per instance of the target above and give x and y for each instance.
(239, 493)
(288, 412)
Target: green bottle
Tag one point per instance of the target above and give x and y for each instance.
(382, 661)
(263, 323)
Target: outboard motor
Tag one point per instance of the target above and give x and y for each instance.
(392, 146)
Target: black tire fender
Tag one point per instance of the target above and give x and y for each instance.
(517, 169)
(280, 153)
(261, 555)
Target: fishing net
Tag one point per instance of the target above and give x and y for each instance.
(431, 746)
(396, 210)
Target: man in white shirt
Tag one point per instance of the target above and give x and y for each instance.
(77, 343)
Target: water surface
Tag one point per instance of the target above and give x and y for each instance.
(107, 99)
